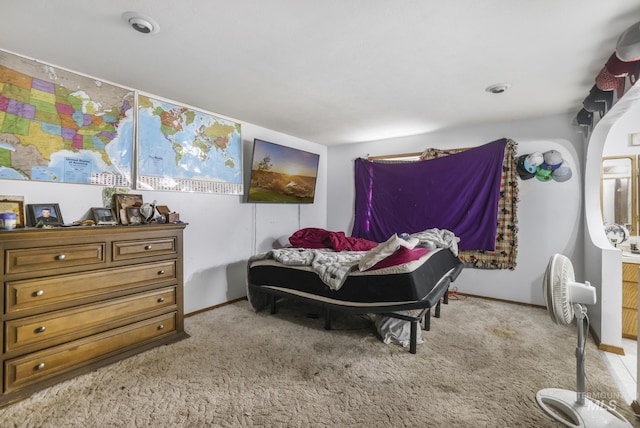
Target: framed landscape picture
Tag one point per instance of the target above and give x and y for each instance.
(281, 174)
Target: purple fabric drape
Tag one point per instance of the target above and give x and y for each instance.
(459, 193)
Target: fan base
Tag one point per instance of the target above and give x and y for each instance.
(562, 405)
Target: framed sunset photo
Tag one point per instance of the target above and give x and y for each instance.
(281, 174)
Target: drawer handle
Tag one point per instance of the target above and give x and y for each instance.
(41, 329)
(161, 299)
(161, 272)
(61, 257)
(147, 247)
(161, 327)
(38, 293)
(40, 366)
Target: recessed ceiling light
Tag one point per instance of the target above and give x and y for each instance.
(498, 88)
(141, 23)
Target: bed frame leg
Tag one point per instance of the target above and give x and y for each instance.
(274, 309)
(414, 337)
(427, 320)
(437, 314)
(327, 319)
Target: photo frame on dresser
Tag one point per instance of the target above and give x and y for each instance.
(134, 216)
(104, 216)
(13, 204)
(44, 215)
(123, 202)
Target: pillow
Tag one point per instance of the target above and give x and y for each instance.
(384, 250)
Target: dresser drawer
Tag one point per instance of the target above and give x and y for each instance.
(62, 326)
(126, 250)
(44, 292)
(51, 258)
(630, 272)
(38, 366)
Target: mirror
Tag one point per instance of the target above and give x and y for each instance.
(618, 192)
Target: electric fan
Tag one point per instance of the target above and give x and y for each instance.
(565, 299)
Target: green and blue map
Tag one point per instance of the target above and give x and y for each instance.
(181, 148)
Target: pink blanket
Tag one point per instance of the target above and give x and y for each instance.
(312, 237)
(403, 255)
(316, 238)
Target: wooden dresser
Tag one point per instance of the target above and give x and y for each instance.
(78, 298)
(630, 300)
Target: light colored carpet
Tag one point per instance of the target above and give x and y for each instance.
(480, 366)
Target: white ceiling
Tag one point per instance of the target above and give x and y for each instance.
(335, 71)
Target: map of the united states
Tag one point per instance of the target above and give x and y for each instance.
(59, 126)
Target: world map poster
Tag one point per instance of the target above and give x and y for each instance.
(59, 126)
(183, 149)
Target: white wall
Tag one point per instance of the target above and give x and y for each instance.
(617, 143)
(604, 269)
(549, 214)
(223, 231)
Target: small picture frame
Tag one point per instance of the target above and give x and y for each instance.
(133, 215)
(13, 204)
(44, 215)
(634, 139)
(163, 209)
(124, 201)
(104, 215)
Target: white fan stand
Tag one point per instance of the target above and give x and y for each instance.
(574, 408)
(564, 299)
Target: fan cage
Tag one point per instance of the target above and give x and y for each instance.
(559, 271)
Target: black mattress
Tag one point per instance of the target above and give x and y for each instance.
(404, 286)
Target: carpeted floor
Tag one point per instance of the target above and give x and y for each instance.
(480, 366)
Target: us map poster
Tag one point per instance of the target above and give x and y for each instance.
(59, 126)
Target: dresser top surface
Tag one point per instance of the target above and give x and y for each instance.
(32, 232)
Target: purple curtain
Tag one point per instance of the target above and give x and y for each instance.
(459, 192)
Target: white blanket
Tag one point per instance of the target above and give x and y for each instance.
(437, 238)
(332, 267)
